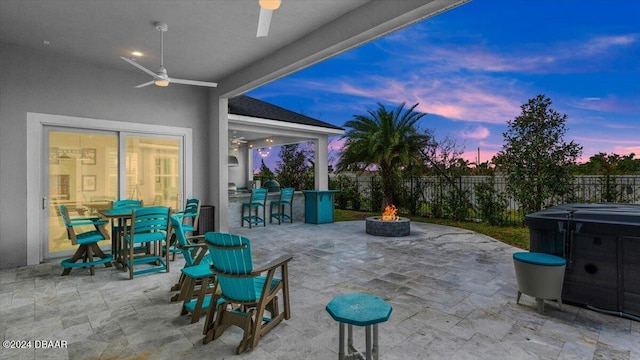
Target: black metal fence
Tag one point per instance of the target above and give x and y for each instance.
(477, 198)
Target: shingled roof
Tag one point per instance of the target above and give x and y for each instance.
(248, 106)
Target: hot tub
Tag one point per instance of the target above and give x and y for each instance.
(601, 243)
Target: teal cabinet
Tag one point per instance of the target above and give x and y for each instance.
(318, 206)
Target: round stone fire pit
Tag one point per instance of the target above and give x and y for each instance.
(377, 227)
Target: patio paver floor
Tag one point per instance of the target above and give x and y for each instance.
(453, 294)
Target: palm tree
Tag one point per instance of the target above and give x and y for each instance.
(386, 140)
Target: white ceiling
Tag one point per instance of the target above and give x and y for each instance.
(207, 40)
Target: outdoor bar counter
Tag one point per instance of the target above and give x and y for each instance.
(237, 199)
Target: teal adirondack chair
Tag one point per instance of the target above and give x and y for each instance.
(88, 248)
(258, 200)
(196, 275)
(286, 199)
(247, 294)
(191, 213)
(149, 225)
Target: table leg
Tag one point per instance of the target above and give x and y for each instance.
(367, 335)
(114, 240)
(350, 346)
(341, 343)
(375, 342)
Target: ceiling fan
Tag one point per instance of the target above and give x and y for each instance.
(238, 140)
(161, 78)
(267, 7)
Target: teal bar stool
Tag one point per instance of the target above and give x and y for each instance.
(285, 199)
(539, 275)
(258, 200)
(361, 310)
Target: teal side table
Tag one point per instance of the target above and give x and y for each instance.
(318, 206)
(361, 310)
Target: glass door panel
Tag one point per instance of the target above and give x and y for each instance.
(153, 172)
(83, 175)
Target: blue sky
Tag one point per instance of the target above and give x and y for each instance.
(471, 68)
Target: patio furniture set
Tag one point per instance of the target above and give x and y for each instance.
(218, 278)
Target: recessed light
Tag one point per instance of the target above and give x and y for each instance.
(46, 42)
(137, 53)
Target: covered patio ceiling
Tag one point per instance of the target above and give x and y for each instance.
(206, 40)
(256, 123)
(278, 133)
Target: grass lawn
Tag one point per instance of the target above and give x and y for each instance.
(515, 236)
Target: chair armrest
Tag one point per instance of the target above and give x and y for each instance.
(93, 218)
(192, 246)
(197, 238)
(198, 251)
(87, 221)
(181, 215)
(272, 265)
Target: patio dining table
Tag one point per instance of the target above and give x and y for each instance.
(122, 215)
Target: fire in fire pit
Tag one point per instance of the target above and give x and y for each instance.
(390, 213)
(389, 224)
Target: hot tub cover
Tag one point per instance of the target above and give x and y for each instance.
(601, 213)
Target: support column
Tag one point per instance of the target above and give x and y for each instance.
(249, 161)
(321, 145)
(219, 154)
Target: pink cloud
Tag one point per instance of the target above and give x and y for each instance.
(469, 99)
(478, 133)
(484, 60)
(627, 150)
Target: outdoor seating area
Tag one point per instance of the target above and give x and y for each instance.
(453, 294)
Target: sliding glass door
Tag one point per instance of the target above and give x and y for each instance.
(87, 170)
(82, 170)
(152, 168)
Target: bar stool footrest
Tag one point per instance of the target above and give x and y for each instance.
(79, 264)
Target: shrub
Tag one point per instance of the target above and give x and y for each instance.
(491, 204)
(348, 197)
(457, 204)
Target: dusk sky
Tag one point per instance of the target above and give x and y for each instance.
(472, 67)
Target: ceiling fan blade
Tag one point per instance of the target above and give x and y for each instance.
(264, 22)
(139, 66)
(145, 84)
(193, 82)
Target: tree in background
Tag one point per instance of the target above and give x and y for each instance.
(386, 140)
(608, 165)
(294, 168)
(444, 158)
(265, 173)
(535, 158)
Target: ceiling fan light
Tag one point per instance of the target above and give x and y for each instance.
(161, 82)
(269, 4)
